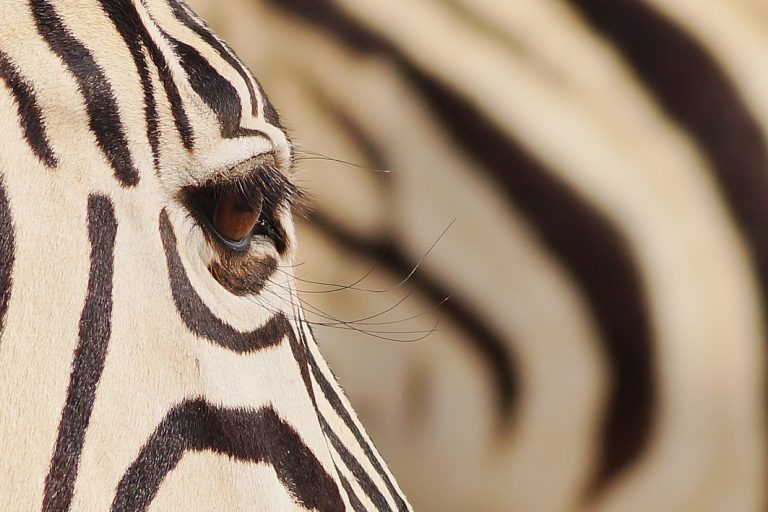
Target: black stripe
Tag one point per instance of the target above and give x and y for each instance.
(589, 245)
(88, 364)
(698, 94)
(598, 258)
(198, 317)
(341, 410)
(492, 346)
(133, 31)
(104, 118)
(198, 27)
(201, 321)
(300, 351)
(692, 89)
(245, 435)
(270, 114)
(370, 489)
(357, 506)
(215, 90)
(373, 153)
(7, 255)
(30, 115)
(304, 359)
(226, 53)
(327, 15)
(180, 119)
(127, 27)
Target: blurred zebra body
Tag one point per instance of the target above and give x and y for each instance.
(604, 345)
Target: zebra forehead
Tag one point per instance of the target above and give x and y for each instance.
(154, 87)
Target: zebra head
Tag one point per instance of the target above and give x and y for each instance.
(153, 349)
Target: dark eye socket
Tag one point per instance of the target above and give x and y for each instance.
(234, 215)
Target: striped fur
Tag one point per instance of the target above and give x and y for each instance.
(604, 345)
(143, 363)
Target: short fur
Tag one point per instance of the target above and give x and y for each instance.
(141, 364)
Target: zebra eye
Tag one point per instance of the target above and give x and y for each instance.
(236, 215)
(238, 212)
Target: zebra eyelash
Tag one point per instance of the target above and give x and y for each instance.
(277, 194)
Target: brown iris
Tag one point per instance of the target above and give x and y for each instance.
(236, 215)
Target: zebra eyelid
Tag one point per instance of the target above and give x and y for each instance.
(201, 202)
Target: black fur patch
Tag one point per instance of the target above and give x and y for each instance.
(104, 118)
(246, 435)
(30, 115)
(90, 354)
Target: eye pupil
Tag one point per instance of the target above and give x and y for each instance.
(236, 215)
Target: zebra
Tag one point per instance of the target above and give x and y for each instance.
(604, 346)
(154, 353)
